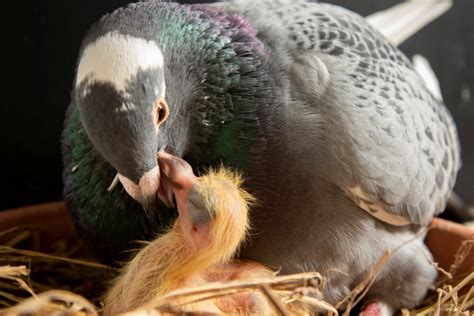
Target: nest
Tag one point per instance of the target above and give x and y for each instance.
(70, 283)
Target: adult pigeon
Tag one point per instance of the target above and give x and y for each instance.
(344, 147)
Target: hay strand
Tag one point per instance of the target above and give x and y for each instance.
(287, 282)
(35, 254)
(14, 273)
(276, 302)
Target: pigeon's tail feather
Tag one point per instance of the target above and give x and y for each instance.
(423, 68)
(401, 21)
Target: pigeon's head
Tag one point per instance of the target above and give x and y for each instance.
(120, 94)
(159, 77)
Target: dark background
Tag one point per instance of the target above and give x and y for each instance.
(52, 34)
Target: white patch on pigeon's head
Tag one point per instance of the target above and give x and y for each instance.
(116, 58)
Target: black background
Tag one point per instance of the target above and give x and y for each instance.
(52, 34)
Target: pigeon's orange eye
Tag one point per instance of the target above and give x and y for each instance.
(161, 111)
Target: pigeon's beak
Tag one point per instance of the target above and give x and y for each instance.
(172, 174)
(146, 190)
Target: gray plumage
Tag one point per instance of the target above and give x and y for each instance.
(365, 131)
(391, 136)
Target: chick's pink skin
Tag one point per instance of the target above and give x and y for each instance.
(178, 177)
(376, 308)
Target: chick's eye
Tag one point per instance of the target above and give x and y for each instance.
(162, 111)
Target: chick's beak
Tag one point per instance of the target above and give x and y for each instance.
(177, 177)
(176, 170)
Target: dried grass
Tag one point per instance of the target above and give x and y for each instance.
(29, 272)
(24, 272)
(454, 294)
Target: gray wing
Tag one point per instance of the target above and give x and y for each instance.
(395, 144)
